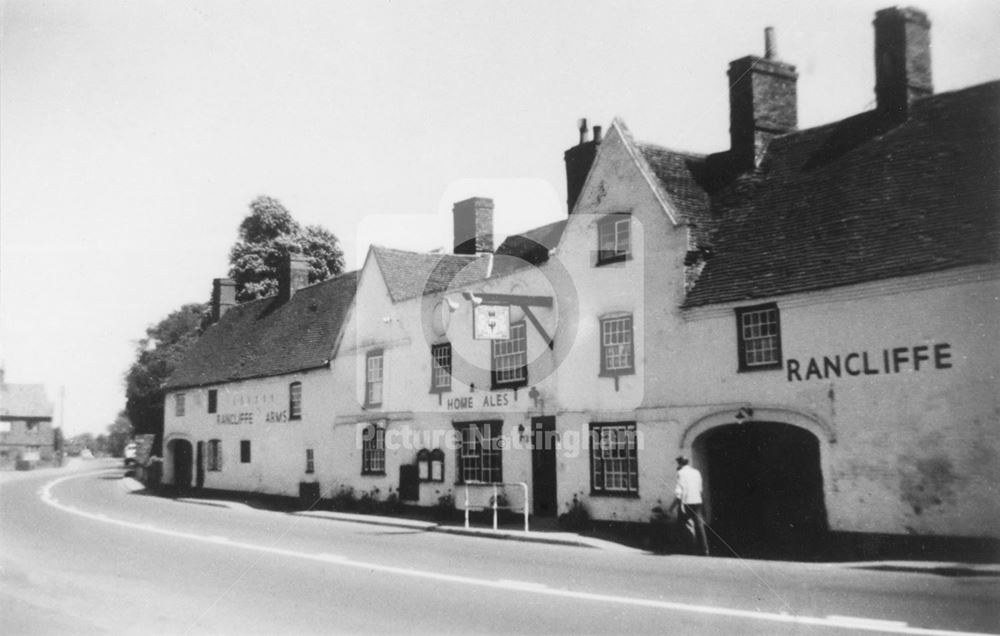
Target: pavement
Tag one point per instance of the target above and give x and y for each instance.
(544, 535)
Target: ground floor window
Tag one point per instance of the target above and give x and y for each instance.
(373, 450)
(214, 459)
(614, 467)
(480, 457)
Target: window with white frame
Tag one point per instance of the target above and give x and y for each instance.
(759, 337)
(617, 350)
(310, 462)
(510, 359)
(441, 367)
(480, 457)
(614, 238)
(373, 450)
(295, 401)
(179, 404)
(614, 468)
(373, 378)
(214, 459)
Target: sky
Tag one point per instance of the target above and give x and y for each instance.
(134, 134)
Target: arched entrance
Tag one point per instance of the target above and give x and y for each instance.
(764, 487)
(182, 454)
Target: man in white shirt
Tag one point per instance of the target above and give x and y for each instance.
(687, 496)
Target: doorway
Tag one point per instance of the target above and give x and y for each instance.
(181, 451)
(765, 490)
(199, 480)
(543, 466)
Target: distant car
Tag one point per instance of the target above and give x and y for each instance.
(130, 453)
(86, 454)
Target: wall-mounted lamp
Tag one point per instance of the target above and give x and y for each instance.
(534, 394)
(744, 415)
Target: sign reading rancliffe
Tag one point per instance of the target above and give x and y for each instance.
(857, 363)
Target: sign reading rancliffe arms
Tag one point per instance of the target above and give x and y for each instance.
(858, 363)
(247, 417)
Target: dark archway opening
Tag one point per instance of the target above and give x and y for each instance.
(182, 453)
(764, 487)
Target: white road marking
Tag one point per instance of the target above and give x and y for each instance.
(856, 621)
(839, 622)
(522, 585)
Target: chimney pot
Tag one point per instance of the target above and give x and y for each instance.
(597, 134)
(770, 44)
(582, 125)
(223, 297)
(473, 225)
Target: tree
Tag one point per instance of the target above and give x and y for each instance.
(157, 355)
(266, 237)
(119, 434)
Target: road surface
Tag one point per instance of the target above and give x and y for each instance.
(84, 554)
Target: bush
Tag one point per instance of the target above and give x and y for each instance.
(344, 499)
(577, 516)
(444, 509)
(368, 503)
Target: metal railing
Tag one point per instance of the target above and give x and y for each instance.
(494, 502)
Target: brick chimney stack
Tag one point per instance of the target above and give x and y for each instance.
(762, 103)
(292, 276)
(223, 297)
(473, 226)
(578, 159)
(902, 59)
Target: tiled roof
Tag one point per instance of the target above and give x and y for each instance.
(679, 174)
(527, 248)
(413, 274)
(265, 337)
(24, 400)
(854, 201)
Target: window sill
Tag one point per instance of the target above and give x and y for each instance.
(503, 387)
(612, 493)
(437, 390)
(775, 366)
(371, 473)
(616, 373)
(612, 260)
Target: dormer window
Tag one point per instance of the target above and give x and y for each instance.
(614, 239)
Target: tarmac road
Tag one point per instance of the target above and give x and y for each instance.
(85, 552)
